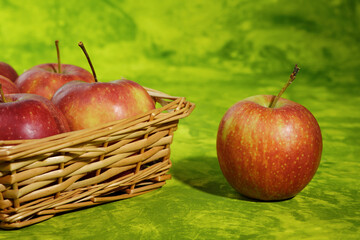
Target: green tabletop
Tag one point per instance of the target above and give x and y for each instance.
(214, 53)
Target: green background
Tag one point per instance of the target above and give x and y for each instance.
(215, 53)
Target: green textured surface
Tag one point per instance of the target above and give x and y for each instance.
(215, 53)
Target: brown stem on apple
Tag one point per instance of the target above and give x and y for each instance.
(53, 67)
(2, 95)
(291, 79)
(81, 45)
(58, 55)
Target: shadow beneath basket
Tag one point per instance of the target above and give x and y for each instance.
(204, 174)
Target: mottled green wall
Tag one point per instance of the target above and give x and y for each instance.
(240, 36)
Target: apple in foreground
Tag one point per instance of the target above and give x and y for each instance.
(8, 71)
(87, 105)
(269, 153)
(29, 116)
(8, 86)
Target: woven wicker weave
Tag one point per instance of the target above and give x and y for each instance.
(40, 178)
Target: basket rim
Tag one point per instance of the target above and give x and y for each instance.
(12, 149)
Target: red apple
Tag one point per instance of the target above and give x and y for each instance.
(8, 71)
(8, 86)
(29, 116)
(269, 153)
(45, 79)
(87, 105)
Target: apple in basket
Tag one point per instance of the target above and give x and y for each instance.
(8, 71)
(45, 79)
(29, 116)
(8, 86)
(87, 105)
(269, 148)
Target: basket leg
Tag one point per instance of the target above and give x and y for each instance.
(16, 188)
(60, 179)
(167, 157)
(101, 158)
(138, 165)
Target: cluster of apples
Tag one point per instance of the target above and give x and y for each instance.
(53, 98)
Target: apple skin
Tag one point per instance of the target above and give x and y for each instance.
(8, 71)
(268, 153)
(87, 105)
(44, 80)
(8, 86)
(30, 116)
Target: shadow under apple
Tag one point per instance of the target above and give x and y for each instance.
(204, 174)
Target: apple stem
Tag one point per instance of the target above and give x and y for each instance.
(58, 55)
(81, 45)
(3, 99)
(291, 79)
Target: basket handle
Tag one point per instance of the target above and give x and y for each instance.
(158, 94)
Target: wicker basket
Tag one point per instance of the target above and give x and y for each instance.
(40, 178)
